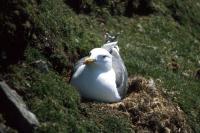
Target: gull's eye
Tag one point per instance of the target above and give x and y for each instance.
(104, 56)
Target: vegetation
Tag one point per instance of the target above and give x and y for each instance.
(158, 39)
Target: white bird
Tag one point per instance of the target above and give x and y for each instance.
(102, 76)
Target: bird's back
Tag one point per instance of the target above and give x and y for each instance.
(119, 68)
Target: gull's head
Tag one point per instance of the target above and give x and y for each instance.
(99, 57)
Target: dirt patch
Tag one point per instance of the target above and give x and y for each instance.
(147, 107)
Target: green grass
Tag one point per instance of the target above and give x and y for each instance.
(148, 45)
(57, 104)
(152, 43)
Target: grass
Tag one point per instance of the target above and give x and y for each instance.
(57, 104)
(150, 46)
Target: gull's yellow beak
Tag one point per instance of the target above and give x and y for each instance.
(88, 60)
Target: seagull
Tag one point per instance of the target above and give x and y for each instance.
(101, 76)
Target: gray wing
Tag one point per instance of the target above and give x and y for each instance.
(121, 74)
(79, 63)
(119, 68)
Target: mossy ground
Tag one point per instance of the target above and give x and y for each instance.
(162, 43)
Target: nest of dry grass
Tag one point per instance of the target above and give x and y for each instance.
(148, 108)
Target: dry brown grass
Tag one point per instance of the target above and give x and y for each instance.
(147, 107)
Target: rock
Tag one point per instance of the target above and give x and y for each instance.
(15, 111)
(41, 66)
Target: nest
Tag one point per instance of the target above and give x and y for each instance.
(148, 108)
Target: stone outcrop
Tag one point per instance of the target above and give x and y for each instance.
(15, 111)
